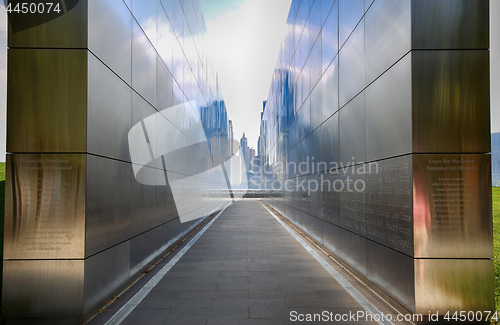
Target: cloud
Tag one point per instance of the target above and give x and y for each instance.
(245, 44)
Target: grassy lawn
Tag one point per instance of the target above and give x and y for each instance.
(2, 203)
(496, 242)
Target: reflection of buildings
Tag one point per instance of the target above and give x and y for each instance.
(339, 95)
(236, 171)
(495, 158)
(97, 86)
(231, 136)
(245, 150)
(214, 119)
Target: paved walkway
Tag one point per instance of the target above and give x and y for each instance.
(245, 269)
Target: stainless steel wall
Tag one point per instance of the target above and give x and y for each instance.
(391, 96)
(80, 222)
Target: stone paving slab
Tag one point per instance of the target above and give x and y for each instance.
(245, 269)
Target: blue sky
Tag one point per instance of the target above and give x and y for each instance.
(212, 9)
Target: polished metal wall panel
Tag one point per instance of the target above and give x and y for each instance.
(352, 66)
(389, 203)
(165, 35)
(352, 131)
(392, 271)
(108, 203)
(387, 35)
(388, 102)
(352, 249)
(305, 193)
(456, 284)
(330, 141)
(451, 102)
(393, 110)
(44, 206)
(330, 35)
(315, 227)
(353, 200)
(105, 273)
(330, 198)
(42, 288)
(109, 99)
(144, 12)
(143, 203)
(450, 24)
(368, 3)
(145, 114)
(111, 17)
(316, 109)
(331, 237)
(350, 13)
(55, 81)
(144, 247)
(143, 64)
(315, 140)
(452, 204)
(69, 30)
(315, 196)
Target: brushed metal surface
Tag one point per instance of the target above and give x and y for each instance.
(316, 195)
(331, 237)
(352, 249)
(352, 66)
(105, 273)
(452, 204)
(330, 199)
(353, 200)
(352, 131)
(41, 85)
(144, 12)
(143, 65)
(451, 102)
(450, 24)
(108, 203)
(389, 203)
(109, 99)
(314, 228)
(146, 116)
(165, 35)
(316, 106)
(455, 284)
(111, 17)
(44, 206)
(368, 3)
(330, 90)
(330, 36)
(350, 13)
(387, 35)
(388, 103)
(330, 141)
(69, 30)
(392, 271)
(42, 288)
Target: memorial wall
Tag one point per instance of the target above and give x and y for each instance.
(377, 134)
(117, 136)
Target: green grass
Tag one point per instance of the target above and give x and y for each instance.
(496, 242)
(2, 204)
